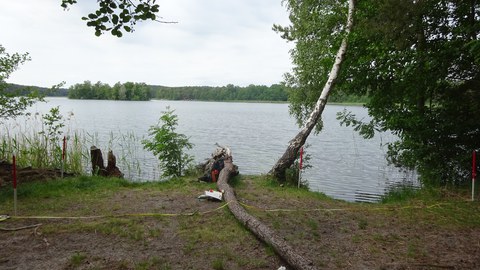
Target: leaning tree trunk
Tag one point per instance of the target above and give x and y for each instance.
(288, 158)
(281, 247)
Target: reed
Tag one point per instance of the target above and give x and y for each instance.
(36, 141)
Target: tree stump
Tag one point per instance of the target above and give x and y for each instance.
(98, 167)
(265, 234)
(112, 168)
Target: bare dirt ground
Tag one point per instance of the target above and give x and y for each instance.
(333, 234)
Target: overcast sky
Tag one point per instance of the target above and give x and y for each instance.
(216, 42)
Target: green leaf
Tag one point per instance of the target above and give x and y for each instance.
(127, 18)
(115, 19)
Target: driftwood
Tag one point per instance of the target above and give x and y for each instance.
(265, 234)
(98, 167)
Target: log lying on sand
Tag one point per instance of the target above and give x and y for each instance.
(281, 247)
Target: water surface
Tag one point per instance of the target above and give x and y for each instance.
(345, 165)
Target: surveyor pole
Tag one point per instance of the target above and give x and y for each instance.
(474, 173)
(300, 167)
(64, 148)
(14, 178)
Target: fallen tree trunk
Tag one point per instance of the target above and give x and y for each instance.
(281, 247)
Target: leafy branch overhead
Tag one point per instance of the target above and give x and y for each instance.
(118, 16)
(11, 103)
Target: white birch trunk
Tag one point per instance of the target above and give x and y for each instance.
(288, 158)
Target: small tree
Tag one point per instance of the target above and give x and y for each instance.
(168, 145)
(12, 103)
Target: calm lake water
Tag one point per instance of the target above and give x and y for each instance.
(345, 166)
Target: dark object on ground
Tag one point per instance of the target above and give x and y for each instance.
(28, 174)
(98, 167)
(212, 174)
(211, 167)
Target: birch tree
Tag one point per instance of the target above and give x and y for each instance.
(310, 19)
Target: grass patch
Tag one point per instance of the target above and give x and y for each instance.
(133, 229)
(218, 264)
(400, 194)
(450, 208)
(153, 263)
(77, 259)
(268, 184)
(362, 224)
(224, 243)
(65, 187)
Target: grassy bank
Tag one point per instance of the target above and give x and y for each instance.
(128, 225)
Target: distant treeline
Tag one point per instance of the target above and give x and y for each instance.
(142, 91)
(99, 90)
(44, 91)
(275, 92)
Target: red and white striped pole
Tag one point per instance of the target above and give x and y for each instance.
(14, 178)
(474, 173)
(64, 149)
(300, 167)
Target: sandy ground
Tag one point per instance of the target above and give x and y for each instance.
(333, 234)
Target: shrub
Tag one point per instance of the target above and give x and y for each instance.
(168, 145)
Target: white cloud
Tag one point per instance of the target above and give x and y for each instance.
(215, 42)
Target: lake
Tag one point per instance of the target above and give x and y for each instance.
(345, 166)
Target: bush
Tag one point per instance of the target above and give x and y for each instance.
(168, 145)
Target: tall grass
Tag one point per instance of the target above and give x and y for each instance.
(38, 143)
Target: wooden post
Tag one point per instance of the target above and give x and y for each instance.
(64, 149)
(14, 180)
(300, 167)
(474, 173)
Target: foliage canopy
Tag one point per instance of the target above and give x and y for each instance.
(11, 104)
(418, 63)
(116, 16)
